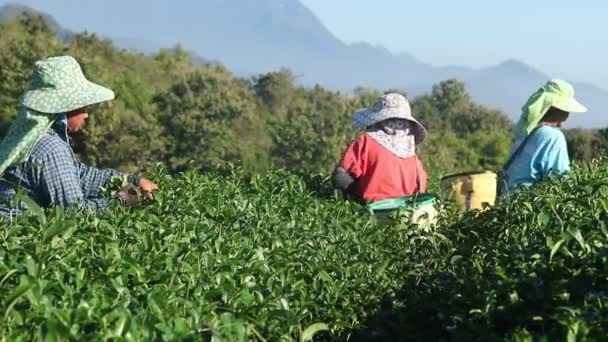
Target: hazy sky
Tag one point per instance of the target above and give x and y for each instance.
(563, 38)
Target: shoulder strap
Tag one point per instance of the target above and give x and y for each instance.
(519, 149)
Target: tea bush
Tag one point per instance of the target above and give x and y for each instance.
(263, 257)
(532, 268)
(280, 257)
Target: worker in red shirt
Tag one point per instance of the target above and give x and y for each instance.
(382, 163)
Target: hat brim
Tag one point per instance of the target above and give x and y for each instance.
(51, 100)
(570, 105)
(362, 118)
(367, 117)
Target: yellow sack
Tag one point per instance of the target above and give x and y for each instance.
(470, 190)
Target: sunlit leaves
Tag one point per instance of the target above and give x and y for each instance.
(232, 257)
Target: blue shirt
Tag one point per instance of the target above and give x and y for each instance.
(545, 152)
(52, 176)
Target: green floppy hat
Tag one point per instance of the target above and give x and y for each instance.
(555, 93)
(59, 86)
(562, 96)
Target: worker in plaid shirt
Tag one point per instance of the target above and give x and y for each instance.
(35, 155)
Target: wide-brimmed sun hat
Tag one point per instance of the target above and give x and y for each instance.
(59, 86)
(389, 106)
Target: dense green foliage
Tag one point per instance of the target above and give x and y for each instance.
(534, 266)
(268, 256)
(587, 144)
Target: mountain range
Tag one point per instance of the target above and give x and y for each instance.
(251, 37)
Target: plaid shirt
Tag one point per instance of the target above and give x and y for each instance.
(52, 176)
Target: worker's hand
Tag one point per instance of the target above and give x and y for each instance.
(147, 187)
(128, 197)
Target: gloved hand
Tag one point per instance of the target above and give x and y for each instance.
(347, 184)
(147, 188)
(128, 197)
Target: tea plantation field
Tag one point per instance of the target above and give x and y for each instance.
(274, 257)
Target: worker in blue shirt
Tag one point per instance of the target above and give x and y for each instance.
(539, 147)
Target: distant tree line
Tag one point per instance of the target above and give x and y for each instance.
(171, 110)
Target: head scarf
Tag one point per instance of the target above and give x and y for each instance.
(25, 132)
(396, 135)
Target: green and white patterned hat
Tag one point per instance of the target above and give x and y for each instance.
(59, 86)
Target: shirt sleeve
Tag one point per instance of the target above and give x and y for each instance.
(92, 179)
(354, 158)
(59, 176)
